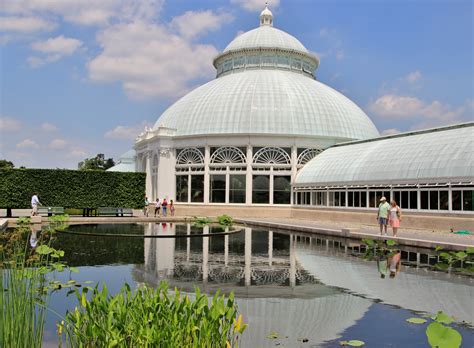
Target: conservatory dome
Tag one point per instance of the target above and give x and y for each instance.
(266, 85)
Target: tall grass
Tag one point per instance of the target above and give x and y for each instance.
(24, 286)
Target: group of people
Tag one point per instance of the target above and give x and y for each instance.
(162, 206)
(389, 214)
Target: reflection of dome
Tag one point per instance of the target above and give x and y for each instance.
(267, 102)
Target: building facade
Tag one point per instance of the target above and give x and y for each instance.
(242, 137)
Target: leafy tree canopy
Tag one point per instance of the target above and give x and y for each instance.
(96, 163)
(4, 164)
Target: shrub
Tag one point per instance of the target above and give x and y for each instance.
(71, 188)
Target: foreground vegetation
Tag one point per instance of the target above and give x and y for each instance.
(132, 318)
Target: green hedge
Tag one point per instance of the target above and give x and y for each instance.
(71, 188)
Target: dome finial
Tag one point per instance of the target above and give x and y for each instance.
(266, 17)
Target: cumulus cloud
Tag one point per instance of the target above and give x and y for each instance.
(57, 144)
(427, 114)
(125, 132)
(25, 24)
(27, 144)
(54, 49)
(48, 127)
(413, 77)
(255, 5)
(77, 153)
(9, 124)
(193, 23)
(149, 60)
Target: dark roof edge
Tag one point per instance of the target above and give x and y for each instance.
(405, 134)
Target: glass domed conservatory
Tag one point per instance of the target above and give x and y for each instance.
(242, 137)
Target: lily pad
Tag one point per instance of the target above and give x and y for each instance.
(416, 320)
(443, 318)
(352, 343)
(443, 336)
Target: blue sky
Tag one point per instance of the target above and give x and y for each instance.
(81, 77)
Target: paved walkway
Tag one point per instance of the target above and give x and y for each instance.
(364, 230)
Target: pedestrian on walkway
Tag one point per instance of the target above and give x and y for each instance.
(157, 207)
(164, 206)
(171, 208)
(145, 209)
(394, 217)
(382, 215)
(34, 204)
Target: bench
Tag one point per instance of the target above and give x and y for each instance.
(50, 211)
(112, 211)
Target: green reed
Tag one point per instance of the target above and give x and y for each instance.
(149, 317)
(24, 284)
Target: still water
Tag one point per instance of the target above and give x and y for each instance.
(302, 287)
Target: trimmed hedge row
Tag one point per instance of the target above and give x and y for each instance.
(71, 188)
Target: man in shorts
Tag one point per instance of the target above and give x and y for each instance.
(34, 204)
(382, 215)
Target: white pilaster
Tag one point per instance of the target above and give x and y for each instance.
(248, 186)
(205, 255)
(294, 166)
(148, 182)
(166, 173)
(207, 160)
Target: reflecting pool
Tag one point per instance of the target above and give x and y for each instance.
(301, 287)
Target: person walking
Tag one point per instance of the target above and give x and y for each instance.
(394, 217)
(34, 204)
(157, 207)
(171, 208)
(382, 215)
(145, 209)
(164, 206)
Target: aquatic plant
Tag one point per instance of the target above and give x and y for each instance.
(225, 220)
(153, 317)
(201, 221)
(376, 248)
(438, 332)
(24, 284)
(461, 261)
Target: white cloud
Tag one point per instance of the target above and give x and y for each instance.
(59, 45)
(390, 131)
(57, 144)
(426, 114)
(149, 60)
(48, 127)
(27, 144)
(193, 23)
(77, 153)
(413, 77)
(85, 12)
(125, 132)
(9, 124)
(25, 24)
(256, 5)
(340, 55)
(54, 49)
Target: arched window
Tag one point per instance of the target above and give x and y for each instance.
(190, 156)
(271, 156)
(228, 155)
(307, 155)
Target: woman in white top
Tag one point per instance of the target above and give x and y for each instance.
(394, 216)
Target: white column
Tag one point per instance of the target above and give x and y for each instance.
(148, 182)
(450, 198)
(271, 185)
(248, 255)
(205, 255)
(294, 166)
(227, 185)
(248, 186)
(207, 159)
(270, 248)
(166, 174)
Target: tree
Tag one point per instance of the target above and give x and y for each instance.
(4, 164)
(96, 163)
